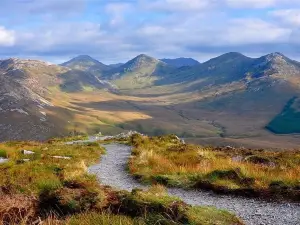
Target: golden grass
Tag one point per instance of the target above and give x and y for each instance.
(166, 156)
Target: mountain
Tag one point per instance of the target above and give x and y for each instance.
(26, 111)
(23, 103)
(231, 96)
(249, 93)
(180, 62)
(139, 72)
(86, 63)
(225, 68)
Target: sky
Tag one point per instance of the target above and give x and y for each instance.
(115, 31)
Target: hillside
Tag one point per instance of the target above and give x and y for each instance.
(180, 62)
(142, 71)
(26, 89)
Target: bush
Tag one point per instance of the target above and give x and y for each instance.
(3, 153)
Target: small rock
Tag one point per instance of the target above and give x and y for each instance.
(26, 152)
(3, 160)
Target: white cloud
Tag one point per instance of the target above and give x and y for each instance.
(7, 37)
(261, 3)
(288, 16)
(251, 3)
(116, 12)
(253, 31)
(178, 5)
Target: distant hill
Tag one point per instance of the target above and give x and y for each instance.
(180, 62)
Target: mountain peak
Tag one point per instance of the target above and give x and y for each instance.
(84, 62)
(84, 57)
(275, 56)
(144, 56)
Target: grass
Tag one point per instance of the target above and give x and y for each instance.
(60, 191)
(260, 173)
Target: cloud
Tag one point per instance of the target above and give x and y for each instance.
(253, 31)
(251, 3)
(40, 7)
(288, 16)
(116, 11)
(7, 37)
(178, 5)
(261, 3)
(117, 30)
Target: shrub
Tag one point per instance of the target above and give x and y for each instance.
(3, 153)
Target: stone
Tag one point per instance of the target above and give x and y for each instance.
(61, 157)
(3, 160)
(27, 152)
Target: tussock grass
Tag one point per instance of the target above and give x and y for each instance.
(166, 160)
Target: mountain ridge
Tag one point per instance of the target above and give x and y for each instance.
(37, 92)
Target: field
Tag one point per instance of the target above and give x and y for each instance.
(48, 182)
(259, 173)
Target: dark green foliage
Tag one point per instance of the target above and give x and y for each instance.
(288, 121)
(3, 153)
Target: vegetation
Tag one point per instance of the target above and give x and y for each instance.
(259, 173)
(38, 187)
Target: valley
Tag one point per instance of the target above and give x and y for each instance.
(228, 100)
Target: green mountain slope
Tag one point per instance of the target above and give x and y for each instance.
(142, 71)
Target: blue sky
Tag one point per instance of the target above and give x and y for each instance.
(115, 31)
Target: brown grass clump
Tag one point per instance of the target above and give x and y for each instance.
(262, 173)
(18, 209)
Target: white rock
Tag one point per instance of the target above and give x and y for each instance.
(61, 157)
(26, 152)
(3, 160)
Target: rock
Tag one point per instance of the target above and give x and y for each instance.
(3, 160)
(20, 161)
(26, 152)
(61, 157)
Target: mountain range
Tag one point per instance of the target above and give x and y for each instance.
(231, 96)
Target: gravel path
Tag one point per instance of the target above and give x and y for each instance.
(112, 171)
